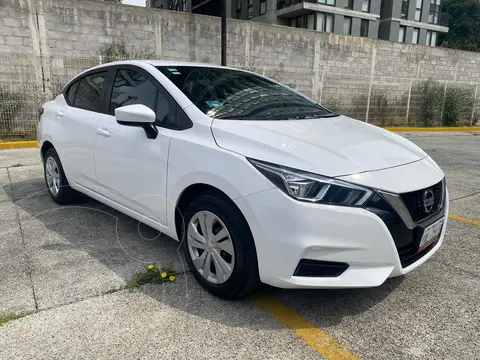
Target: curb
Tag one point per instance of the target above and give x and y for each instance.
(433, 129)
(18, 144)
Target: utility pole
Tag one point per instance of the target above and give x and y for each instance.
(224, 32)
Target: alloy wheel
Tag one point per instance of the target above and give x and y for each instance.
(53, 176)
(211, 247)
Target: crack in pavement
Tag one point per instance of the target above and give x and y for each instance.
(103, 293)
(465, 197)
(27, 259)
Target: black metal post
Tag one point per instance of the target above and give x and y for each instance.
(224, 32)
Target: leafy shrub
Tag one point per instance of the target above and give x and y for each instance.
(457, 101)
(11, 103)
(118, 50)
(430, 104)
(380, 102)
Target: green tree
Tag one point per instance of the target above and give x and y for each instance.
(464, 24)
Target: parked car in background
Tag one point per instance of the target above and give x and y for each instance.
(260, 183)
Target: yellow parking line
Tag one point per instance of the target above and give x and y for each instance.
(316, 338)
(460, 218)
(434, 129)
(18, 144)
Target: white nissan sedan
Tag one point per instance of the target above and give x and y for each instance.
(259, 183)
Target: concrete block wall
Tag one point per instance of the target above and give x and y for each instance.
(59, 38)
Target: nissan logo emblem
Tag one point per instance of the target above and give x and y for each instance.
(428, 200)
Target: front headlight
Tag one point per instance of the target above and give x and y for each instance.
(310, 187)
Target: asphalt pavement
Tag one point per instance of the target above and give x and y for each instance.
(65, 267)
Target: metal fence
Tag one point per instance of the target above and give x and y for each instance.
(28, 80)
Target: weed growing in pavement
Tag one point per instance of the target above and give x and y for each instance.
(151, 274)
(4, 318)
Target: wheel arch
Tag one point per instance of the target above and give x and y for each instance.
(192, 191)
(44, 148)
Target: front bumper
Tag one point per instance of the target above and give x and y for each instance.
(287, 231)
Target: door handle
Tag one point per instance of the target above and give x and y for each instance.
(59, 113)
(103, 132)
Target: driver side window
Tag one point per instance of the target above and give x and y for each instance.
(133, 87)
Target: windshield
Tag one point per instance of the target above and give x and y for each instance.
(231, 94)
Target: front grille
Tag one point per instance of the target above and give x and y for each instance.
(414, 201)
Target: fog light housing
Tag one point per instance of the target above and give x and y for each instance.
(316, 268)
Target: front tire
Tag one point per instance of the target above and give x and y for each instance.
(56, 181)
(219, 246)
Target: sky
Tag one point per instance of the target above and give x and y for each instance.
(134, 2)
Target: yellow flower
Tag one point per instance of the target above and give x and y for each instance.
(150, 267)
(164, 274)
(172, 277)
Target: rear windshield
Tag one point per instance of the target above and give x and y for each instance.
(231, 94)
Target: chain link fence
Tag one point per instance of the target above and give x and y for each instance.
(28, 80)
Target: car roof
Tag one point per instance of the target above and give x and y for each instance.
(159, 63)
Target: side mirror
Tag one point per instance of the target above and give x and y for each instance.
(137, 115)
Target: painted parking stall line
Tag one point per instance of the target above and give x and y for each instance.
(313, 336)
(463, 219)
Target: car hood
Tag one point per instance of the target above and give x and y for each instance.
(334, 146)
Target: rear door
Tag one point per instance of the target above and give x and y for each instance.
(130, 168)
(77, 112)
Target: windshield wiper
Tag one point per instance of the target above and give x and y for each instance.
(316, 116)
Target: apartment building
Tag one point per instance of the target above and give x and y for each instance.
(409, 21)
(412, 21)
(347, 17)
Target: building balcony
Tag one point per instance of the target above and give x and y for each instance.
(281, 4)
(293, 8)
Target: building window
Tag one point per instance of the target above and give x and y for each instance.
(364, 28)
(327, 2)
(431, 38)
(435, 10)
(263, 7)
(299, 22)
(239, 9)
(311, 21)
(366, 5)
(347, 25)
(304, 22)
(401, 34)
(415, 36)
(404, 9)
(418, 10)
(250, 9)
(434, 39)
(349, 5)
(178, 5)
(324, 22)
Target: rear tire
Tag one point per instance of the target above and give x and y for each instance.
(229, 268)
(56, 181)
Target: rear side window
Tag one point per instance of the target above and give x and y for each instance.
(71, 92)
(89, 91)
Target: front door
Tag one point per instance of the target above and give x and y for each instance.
(131, 169)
